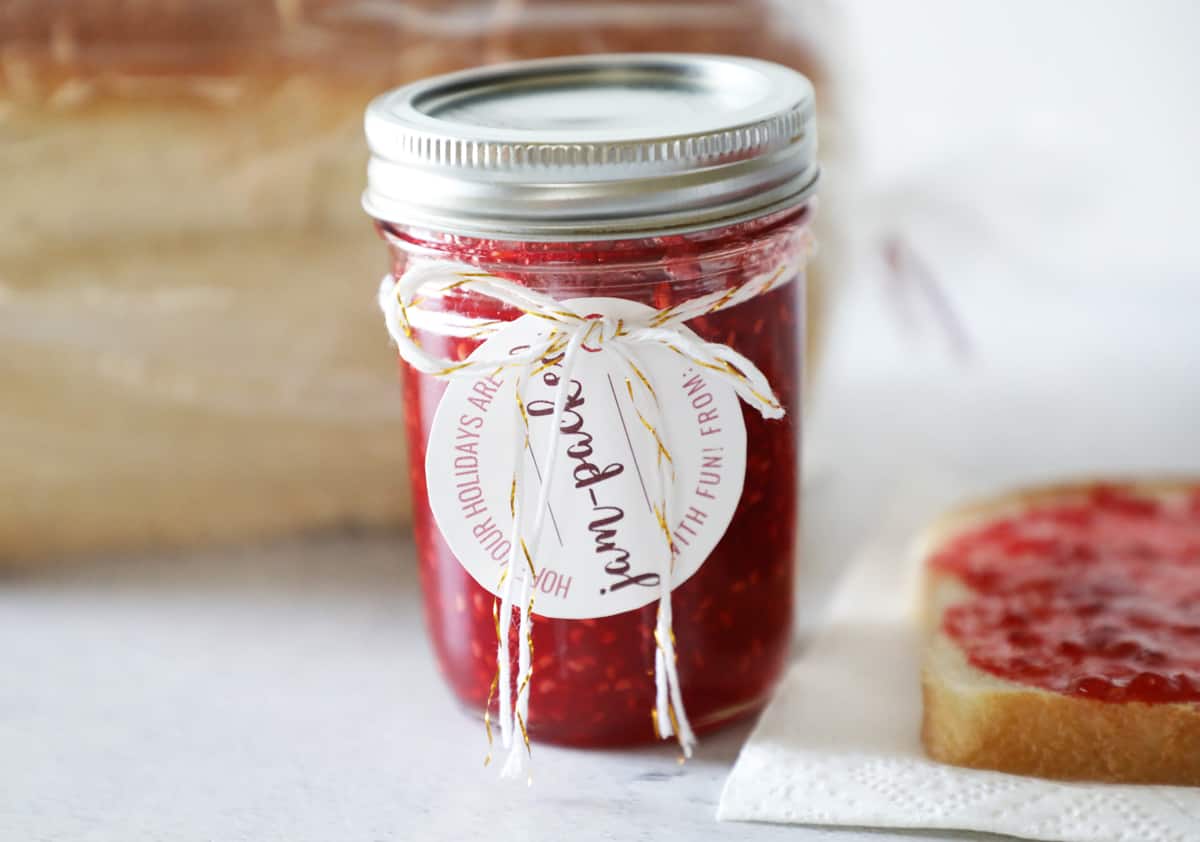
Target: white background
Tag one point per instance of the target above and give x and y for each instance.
(1042, 158)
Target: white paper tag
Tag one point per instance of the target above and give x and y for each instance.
(602, 550)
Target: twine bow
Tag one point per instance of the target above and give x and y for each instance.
(567, 332)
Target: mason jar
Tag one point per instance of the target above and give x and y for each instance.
(630, 189)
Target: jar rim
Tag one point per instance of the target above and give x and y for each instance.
(593, 147)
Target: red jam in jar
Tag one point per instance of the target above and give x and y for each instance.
(654, 179)
(1096, 597)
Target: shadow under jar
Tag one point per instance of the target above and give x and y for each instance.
(655, 179)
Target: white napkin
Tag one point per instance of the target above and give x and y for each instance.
(839, 744)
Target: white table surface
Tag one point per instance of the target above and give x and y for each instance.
(288, 694)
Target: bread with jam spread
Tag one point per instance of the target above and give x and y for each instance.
(1064, 633)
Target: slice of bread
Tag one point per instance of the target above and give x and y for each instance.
(975, 718)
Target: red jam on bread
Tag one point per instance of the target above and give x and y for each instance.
(1097, 597)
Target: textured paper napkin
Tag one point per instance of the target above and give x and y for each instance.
(840, 745)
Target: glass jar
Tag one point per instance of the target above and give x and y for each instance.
(570, 227)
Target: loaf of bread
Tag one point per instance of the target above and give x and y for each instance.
(1064, 634)
(189, 346)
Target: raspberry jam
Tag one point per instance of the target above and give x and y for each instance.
(1097, 597)
(593, 678)
(640, 181)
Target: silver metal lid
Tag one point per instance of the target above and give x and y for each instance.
(592, 147)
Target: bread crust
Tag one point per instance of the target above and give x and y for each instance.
(974, 719)
(68, 53)
(1027, 731)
